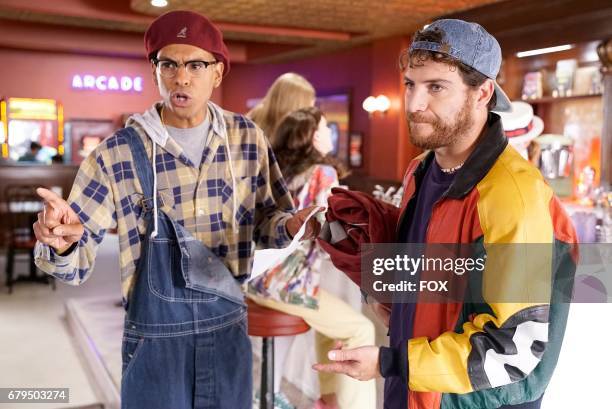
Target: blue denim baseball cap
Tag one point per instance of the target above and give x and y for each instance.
(471, 44)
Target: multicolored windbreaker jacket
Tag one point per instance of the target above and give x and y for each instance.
(489, 354)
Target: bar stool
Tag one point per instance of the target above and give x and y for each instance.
(268, 323)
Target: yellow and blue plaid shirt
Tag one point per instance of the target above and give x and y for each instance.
(107, 194)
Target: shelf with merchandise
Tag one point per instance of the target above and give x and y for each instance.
(551, 99)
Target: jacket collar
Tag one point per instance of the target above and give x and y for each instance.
(477, 165)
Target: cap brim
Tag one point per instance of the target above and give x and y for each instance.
(503, 102)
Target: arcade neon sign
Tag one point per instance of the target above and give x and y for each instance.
(107, 83)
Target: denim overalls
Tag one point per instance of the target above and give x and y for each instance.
(185, 342)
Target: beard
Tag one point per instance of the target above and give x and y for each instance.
(442, 133)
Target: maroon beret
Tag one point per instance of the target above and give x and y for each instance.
(186, 27)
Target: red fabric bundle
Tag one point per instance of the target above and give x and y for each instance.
(355, 218)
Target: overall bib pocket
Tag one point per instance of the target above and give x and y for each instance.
(169, 283)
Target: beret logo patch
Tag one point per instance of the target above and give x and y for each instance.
(182, 33)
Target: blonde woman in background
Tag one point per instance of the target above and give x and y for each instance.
(302, 144)
(288, 93)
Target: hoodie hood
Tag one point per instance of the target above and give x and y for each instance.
(151, 122)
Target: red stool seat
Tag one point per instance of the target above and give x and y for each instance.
(266, 322)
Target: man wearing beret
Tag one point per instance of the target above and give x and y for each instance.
(497, 343)
(191, 189)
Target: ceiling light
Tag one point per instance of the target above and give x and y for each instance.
(159, 3)
(544, 50)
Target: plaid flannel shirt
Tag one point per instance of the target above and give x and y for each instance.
(107, 194)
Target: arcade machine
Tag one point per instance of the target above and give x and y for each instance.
(26, 120)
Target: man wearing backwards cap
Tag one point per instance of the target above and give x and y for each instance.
(490, 351)
(191, 189)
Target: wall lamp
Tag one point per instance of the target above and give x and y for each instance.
(376, 104)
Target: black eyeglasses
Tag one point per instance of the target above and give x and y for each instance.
(168, 68)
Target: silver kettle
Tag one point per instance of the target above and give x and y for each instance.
(556, 156)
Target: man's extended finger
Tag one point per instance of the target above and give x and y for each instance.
(336, 367)
(50, 197)
(342, 355)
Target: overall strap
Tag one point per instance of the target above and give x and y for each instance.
(141, 162)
